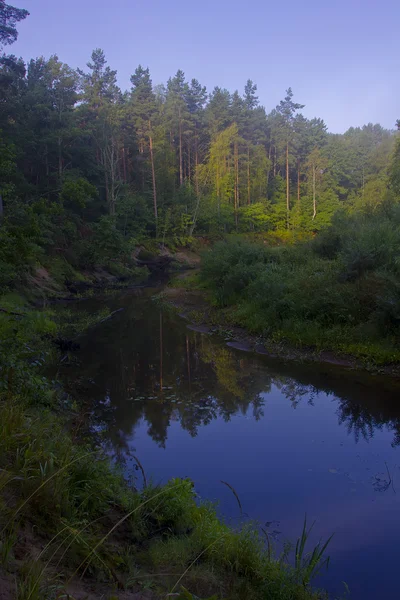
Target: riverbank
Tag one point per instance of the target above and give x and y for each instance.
(147, 265)
(70, 524)
(187, 296)
(333, 299)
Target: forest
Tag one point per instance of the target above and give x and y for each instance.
(89, 171)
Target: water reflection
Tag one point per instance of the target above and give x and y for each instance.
(146, 364)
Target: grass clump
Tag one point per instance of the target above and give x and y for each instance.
(339, 292)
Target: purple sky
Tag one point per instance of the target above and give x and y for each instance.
(341, 57)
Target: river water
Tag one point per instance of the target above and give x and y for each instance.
(290, 439)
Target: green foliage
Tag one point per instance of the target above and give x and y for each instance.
(230, 267)
(339, 292)
(88, 172)
(107, 240)
(24, 349)
(77, 192)
(134, 217)
(255, 217)
(395, 170)
(9, 17)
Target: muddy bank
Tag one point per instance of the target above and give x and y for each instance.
(195, 307)
(150, 269)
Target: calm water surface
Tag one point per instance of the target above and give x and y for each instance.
(291, 439)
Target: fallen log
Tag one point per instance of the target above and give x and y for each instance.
(111, 315)
(11, 312)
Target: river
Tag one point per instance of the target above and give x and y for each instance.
(291, 439)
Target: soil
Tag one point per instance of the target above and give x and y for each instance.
(85, 590)
(77, 590)
(29, 546)
(7, 586)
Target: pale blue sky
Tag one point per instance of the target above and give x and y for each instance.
(341, 57)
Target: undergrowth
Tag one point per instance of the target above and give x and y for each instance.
(338, 292)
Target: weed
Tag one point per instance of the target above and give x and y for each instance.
(308, 565)
(31, 581)
(7, 541)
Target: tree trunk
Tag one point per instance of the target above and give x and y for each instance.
(196, 162)
(236, 187)
(180, 150)
(124, 164)
(47, 171)
(287, 186)
(106, 184)
(141, 164)
(153, 174)
(189, 163)
(269, 169)
(217, 187)
(314, 194)
(60, 161)
(113, 177)
(248, 175)
(363, 181)
(298, 181)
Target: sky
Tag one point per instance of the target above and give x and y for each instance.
(340, 57)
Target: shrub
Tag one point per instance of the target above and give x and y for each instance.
(340, 291)
(230, 266)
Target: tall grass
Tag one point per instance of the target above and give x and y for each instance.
(307, 565)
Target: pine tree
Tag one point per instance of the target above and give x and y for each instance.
(287, 109)
(9, 17)
(178, 113)
(250, 98)
(316, 167)
(101, 112)
(144, 111)
(218, 111)
(196, 97)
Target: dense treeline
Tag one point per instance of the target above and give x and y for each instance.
(175, 156)
(88, 170)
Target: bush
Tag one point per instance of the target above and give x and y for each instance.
(338, 292)
(230, 266)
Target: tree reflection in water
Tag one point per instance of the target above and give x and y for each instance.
(148, 366)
